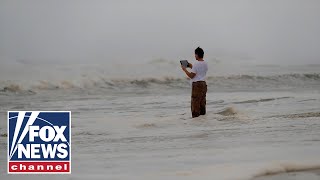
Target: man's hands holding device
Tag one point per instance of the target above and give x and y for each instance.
(184, 65)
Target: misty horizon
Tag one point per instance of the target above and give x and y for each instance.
(263, 32)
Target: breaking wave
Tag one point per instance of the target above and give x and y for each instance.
(287, 167)
(245, 82)
(299, 115)
(260, 100)
(229, 111)
(250, 171)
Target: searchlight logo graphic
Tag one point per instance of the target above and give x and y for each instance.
(39, 142)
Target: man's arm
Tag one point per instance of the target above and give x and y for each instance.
(189, 74)
(190, 65)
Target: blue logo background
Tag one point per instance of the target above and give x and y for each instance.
(43, 119)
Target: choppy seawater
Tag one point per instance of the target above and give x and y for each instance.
(141, 128)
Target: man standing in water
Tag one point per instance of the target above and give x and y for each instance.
(197, 77)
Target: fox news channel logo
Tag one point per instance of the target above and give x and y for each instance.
(39, 142)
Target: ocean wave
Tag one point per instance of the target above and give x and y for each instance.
(146, 125)
(243, 171)
(299, 115)
(229, 111)
(15, 89)
(217, 82)
(286, 167)
(260, 100)
(12, 88)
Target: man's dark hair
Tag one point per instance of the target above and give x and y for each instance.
(199, 52)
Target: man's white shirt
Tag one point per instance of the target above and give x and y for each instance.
(200, 68)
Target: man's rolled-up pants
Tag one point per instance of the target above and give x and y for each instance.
(198, 98)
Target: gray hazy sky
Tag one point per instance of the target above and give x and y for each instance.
(263, 31)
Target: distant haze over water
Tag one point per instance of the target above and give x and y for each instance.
(78, 31)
